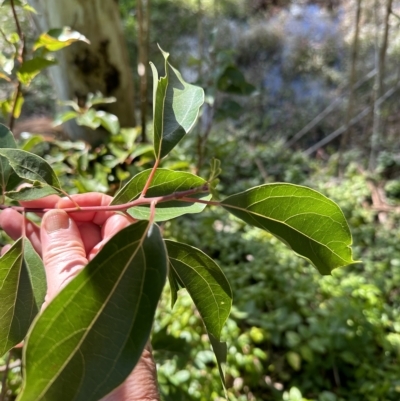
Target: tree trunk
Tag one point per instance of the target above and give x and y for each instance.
(379, 83)
(352, 78)
(143, 18)
(101, 66)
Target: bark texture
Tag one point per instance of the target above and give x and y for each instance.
(101, 66)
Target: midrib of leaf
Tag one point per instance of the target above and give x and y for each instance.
(162, 114)
(97, 314)
(251, 214)
(191, 268)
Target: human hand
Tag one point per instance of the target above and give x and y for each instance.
(66, 243)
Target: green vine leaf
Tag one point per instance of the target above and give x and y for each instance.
(31, 167)
(58, 38)
(312, 225)
(165, 182)
(30, 68)
(90, 337)
(22, 292)
(176, 106)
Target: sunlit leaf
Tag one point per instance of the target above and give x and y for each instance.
(89, 338)
(165, 182)
(30, 68)
(31, 167)
(205, 283)
(108, 121)
(307, 221)
(64, 117)
(22, 292)
(5, 77)
(176, 106)
(58, 38)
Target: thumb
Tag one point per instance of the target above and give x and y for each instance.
(63, 251)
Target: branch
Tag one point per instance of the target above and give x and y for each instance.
(182, 195)
(21, 59)
(353, 121)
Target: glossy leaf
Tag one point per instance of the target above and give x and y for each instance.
(31, 167)
(89, 338)
(6, 141)
(58, 38)
(30, 68)
(176, 106)
(165, 182)
(208, 288)
(31, 193)
(204, 281)
(22, 291)
(307, 221)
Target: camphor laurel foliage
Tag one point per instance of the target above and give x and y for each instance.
(121, 286)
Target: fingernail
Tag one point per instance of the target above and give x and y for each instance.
(55, 220)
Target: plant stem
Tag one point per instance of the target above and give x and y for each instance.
(182, 195)
(150, 179)
(21, 59)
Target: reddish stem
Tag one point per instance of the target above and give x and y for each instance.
(116, 208)
(149, 179)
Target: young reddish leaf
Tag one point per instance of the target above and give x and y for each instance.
(307, 221)
(90, 337)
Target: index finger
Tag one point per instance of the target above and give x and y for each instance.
(88, 199)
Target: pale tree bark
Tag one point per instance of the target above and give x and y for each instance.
(352, 77)
(101, 66)
(380, 49)
(143, 17)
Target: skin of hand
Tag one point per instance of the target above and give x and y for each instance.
(66, 243)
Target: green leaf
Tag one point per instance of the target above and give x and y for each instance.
(221, 351)
(108, 121)
(233, 81)
(22, 291)
(305, 220)
(6, 141)
(90, 337)
(58, 38)
(176, 106)
(31, 193)
(30, 68)
(31, 167)
(165, 182)
(204, 281)
(174, 287)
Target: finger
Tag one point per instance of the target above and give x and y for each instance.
(64, 253)
(90, 234)
(112, 225)
(4, 249)
(47, 202)
(12, 223)
(89, 199)
(141, 384)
